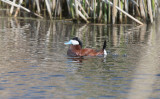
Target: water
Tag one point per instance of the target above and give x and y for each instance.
(34, 64)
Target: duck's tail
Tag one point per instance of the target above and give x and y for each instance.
(104, 45)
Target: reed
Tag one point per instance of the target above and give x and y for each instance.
(114, 12)
(101, 11)
(109, 13)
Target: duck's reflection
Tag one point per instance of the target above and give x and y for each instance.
(84, 59)
(76, 59)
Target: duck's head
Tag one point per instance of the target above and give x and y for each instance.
(74, 41)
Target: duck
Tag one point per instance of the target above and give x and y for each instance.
(76, 49)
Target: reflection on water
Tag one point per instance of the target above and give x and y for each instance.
(34, 63)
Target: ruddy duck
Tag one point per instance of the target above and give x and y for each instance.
(75, 49)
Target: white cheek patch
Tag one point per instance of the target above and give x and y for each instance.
(74, 42)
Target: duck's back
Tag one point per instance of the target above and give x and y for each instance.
(91, 52)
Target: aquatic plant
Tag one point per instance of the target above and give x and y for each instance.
(98, 11)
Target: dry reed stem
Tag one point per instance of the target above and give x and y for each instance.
(150, 11)
(18, 8)
(12, 7)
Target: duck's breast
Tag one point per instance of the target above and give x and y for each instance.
(71, 53)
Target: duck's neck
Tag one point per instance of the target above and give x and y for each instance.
(75, 47)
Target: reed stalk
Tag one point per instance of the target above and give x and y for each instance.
(156, 5)
(83, 4)
(114, 12)
(68, 6)
(38, 7)
(94, 9)
(126, 10)
(76, 9)
(145, 8)
(100, 12)
(153, 7)
(150, 11)
(34, 6)
(54, 4)
(105, 13)
(120, 13)
(12, 7)
(72, 9)
(18, 8)
(48, 8)
(60, 10)
(44, 9)
(142, 10)
(109, 12)
(137, 9)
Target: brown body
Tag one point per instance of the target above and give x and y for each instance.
(76, 50)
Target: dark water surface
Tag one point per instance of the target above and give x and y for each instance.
(34, 64)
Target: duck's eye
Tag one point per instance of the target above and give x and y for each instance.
(74, 42)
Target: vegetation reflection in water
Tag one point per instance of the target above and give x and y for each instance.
(34, 61)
